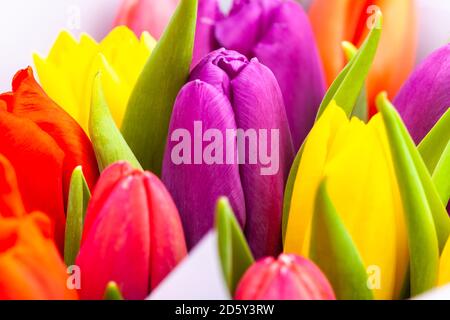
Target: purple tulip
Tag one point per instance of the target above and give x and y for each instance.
(279, 34)
(205, 160)
(425, 97)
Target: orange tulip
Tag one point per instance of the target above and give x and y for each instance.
(30, 265)
(349, 20)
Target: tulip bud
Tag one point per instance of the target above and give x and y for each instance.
(290, 277)
(224, 119)
(132, 234)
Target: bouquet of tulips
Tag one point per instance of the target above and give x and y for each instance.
(246, 149)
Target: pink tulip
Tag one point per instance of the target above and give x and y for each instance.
(290, 277)
(132, 234)
(146, 15)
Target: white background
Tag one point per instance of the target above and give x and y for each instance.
(28, 26)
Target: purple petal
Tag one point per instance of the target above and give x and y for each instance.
(426, 95)
(279, 34)
(196, 188)
(258, 104)
(208, 14)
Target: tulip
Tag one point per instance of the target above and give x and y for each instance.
(425, 97)
(132, 234)
(356, 161)
(146, 15)
(289, 277)
(279, 34)
(67, 74)
(337, 21)
(227, 92)
(44, 145)
(30, 266)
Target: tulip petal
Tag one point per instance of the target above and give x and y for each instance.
(155, 92)
(119, 235)
(334, 251)
(258, 105)
(433, 145)
(235, 254)
(167, 242)
(422, 237)
(186, 181)
(425, 97)
(79, 196)
(347, 87)
(108, 142)
(444, 266)
(11, 204)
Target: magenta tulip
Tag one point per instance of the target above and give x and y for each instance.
(226, 94)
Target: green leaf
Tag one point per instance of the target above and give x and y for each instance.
(433, 145)
(112, 292)
(235, 254)
(147, 118)
(441, 176)
(335, 253)
(109, 145)
(438, 211)
(79, 196)
(361, 108)
(346, 89)
(422, 235)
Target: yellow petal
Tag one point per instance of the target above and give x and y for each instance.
(68, 72)
(444, 267)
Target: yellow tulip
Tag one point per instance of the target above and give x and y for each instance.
(355, 159)
(68, 72)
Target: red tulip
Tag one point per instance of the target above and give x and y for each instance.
(30, 266)
(132, 234)
(44, 145)
(290, 277)
(146, 15)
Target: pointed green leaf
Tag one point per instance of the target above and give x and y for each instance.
(438, 211)
(112, 292)
(109, 145)
(147, 118)
(346, 89)
(234, 251)
(361, 108)
(433, 145)
(333, 250)
(441, 176)
(79, 196)
(422, 236)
